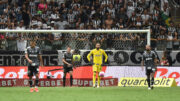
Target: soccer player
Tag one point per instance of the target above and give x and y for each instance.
(97, 62)
(33, 55)
(68, 66)
(150, 60)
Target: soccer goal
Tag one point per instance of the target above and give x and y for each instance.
(113, 41)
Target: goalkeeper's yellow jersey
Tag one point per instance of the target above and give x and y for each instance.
(97, 56)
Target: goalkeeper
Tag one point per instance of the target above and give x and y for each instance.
(97, 62)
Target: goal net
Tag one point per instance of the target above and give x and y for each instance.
(117, 43)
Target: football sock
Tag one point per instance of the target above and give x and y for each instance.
(99, 80)
(148, 80)
(152, 81)
(64, 80)
(37, 82)
(71, 80)
(94, 78)
(30, 83)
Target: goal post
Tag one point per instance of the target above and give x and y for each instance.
(119, 44)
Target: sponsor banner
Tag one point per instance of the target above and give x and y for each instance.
(136, 71)
(57, 82)
(158, 82)
(20, 72)
(14, 58)
(54, 58)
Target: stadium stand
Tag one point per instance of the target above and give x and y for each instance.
(87, 14)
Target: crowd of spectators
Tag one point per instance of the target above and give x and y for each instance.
(177, 1)
(87, 14)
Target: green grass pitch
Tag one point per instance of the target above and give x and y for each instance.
(90, 94)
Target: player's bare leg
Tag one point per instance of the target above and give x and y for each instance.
(94, 79)
(71, 77)
(30, 84)
(37, 83)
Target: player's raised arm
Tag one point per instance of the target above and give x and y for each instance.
(89, 55)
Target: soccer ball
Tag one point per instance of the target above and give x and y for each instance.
(49, 76)
(101, 74)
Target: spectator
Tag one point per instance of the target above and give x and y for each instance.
(54, 16)
(76, 10)
(164, 61)
(172, 29)
(18, 13)
(75, 3)
(71, 19)
(130, 9)
(111, 10)
(121, 24)
(109, 21)
(61, 23)
(57, 43)
(170, 39)
(145, 16)
(42, 6)
(3, 4)
(49, 41)
(25, 15)
(131, 21)
(138, 24)
(84, 16)
(63, 10)
(98, 38)
(96, 22)
(32, 5)
(165, 10)
(168, 57)
(122, 15)
(2, 42)
(22, 38)
(161, 40)
(3, 21)
(121, 40)
(178, 34)
(91, 14)
(11, 38)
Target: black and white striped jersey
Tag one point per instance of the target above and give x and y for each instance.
(149, 58)
(33, 54)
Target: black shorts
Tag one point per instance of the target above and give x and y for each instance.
(33, 70)
(150, 70)
(67, 69)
